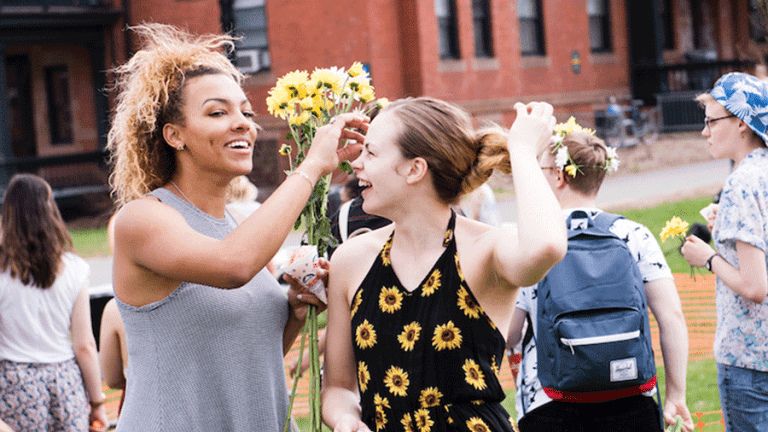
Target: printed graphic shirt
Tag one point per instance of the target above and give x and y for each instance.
(652, 264)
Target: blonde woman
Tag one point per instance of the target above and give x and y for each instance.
(415, 308)
(207, 326)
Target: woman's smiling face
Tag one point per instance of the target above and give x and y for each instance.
(380, 165)
(218, 127)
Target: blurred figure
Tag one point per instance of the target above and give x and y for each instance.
(49, 365)
(113, 347)
(243, 196)
(480, 205)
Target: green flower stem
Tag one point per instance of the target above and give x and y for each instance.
(296, 379)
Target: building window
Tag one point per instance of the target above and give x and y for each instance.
(481, 15)
(758, 20)
(448, 29)
(599, 26)
(531, 27)
(667, 24)
(250, 23)
(59, 104)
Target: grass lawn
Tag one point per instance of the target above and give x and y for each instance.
(90, 243)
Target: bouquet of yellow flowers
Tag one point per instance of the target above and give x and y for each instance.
(309, 101)
(676, 228)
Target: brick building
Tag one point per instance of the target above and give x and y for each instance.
(482, 54)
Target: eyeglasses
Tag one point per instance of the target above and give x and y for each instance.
(709, 121)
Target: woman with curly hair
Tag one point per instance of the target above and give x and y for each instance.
(415, 308)
(206, 324)
(49, 366)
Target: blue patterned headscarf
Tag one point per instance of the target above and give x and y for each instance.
(746, 96)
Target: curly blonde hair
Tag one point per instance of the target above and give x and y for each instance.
(460, 157)
(149, 90)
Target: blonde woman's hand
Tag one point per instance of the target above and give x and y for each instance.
(328, 150)
(532, 130)
(97, 420)
(349, 423)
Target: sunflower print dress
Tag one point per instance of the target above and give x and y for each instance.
(427, 360)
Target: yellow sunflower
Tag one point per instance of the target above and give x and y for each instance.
(446, 336)
(396, 380)
(365, 335)
(381, 418)
(468, 305)
(409, 336)
(295, 82)
(432, 284)
(390, 299)
(385, 252)
(473, 375)
(363, 376)
(476, 424)
(380, 401)
(458, 267)
(423, 422)
(430, 397)
(285, 149)
(494, 366)
(447, 238)
(356, 303)
(356, 69)
(407, 423)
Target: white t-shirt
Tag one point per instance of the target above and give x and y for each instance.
(652, 264)
(34, 322)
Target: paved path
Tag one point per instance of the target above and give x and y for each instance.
(638, 190)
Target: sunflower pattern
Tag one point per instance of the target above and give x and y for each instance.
(432, 284)
(428, 359)
(356, 303)
(363, 376)
(409, 336)
(365, 335)
(468, 305)
(390, 299)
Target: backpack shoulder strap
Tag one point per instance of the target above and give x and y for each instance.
(344, 220)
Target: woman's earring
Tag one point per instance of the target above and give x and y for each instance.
(181, 147)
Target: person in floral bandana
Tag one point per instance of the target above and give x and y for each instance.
(417, 309)
(735, 123)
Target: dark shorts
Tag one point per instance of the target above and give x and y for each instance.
(43, 397)
(632, 414)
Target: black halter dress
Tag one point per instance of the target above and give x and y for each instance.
(427, 360)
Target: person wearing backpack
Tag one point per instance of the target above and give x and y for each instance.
(587, 360)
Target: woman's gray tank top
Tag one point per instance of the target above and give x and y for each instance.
(204, 358)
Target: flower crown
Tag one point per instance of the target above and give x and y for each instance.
(563, 160)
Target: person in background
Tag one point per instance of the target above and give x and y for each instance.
(736, 115)
(480, 205)
(49, 368)
(243, 196)
(206, 323)
(415, 307)
(576, 193)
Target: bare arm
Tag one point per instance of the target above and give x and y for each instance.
(152, 236)
(665, 305)
(541, 240)
(340, 398)
(750, 280)
(515, 333)
(113, 353)
(86, 355)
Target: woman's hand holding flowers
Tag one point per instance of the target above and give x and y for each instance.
(325, 151)
(300, 297)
